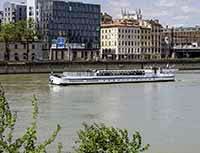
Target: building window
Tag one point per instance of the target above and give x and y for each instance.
(15, 46)
(16, 57)
(30, 13)
(33, 46)
(91, 55)
(24, 56)
(102, 43)
(33, 56)
(86, 55)
(82, 54)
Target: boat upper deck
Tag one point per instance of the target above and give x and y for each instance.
(136, 72)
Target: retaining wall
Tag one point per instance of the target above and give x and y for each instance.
(47, 67)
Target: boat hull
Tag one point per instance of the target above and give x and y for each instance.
(64, 81)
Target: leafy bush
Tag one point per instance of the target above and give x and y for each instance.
(28, 142)
(101, 139)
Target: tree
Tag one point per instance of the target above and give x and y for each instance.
(21, 31)
(28, 142)
(27, 33)
(7, 35)
(101, 139)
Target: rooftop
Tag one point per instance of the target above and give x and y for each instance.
(16, 3)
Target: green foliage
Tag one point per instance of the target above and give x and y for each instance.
(19, 31)
(101, 139)
(28, 142)
(7, 32)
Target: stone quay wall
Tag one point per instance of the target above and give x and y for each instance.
(48, 67)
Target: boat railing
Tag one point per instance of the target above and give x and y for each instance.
(78, 74)
(119, 72)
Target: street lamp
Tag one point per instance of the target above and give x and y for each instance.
(68, 48)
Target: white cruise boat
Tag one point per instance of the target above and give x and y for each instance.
(113, 76)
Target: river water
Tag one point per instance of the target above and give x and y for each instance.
(166, 114)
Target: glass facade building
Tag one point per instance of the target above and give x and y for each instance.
(13, 12)
(78, 23)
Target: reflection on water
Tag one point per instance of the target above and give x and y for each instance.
(166, 114)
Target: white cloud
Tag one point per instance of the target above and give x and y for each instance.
(186, 9)
(166, 3)
(177, 12)
(181, 17)
(156, 13)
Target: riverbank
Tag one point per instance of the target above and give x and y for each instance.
(48, 66)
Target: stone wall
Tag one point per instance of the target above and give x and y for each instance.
(47, 67)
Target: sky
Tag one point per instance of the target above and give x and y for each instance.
(169, 12)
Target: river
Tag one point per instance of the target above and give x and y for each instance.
(166, 114)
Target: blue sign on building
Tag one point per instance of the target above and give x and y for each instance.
(61, 42)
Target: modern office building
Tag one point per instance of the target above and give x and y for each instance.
(13, 11)
(1, 17)
(78, 23)
(32, 10)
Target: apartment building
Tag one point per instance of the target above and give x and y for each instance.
(156, 32)
(146, 43)
(13, 11)
(19, 51)
(106, 18)
(181, 42)
(120, 41)
(131, 40)
(181, 36)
